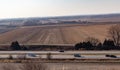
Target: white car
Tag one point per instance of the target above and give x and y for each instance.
(31, 55)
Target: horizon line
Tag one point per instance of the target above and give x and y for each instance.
(57, 16)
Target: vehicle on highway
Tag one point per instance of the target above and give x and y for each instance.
(77, 55)
(31, 55)
(112, 56)
(61, 51)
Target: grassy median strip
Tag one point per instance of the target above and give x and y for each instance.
(60, 60)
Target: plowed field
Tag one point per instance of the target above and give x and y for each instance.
(63, 34)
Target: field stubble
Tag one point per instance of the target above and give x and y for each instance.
(55, 34)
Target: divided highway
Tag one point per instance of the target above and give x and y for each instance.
(63, 55)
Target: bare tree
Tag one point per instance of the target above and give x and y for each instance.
(114, 33)
(93, 41)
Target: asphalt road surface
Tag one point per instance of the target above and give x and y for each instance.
(61, 55)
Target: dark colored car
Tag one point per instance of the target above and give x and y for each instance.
(107, 55)
(61, 51)
(112, 56)
(77, 55)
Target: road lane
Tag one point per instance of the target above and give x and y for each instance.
(63, 55)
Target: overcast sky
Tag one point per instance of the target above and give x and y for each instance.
(44, 8)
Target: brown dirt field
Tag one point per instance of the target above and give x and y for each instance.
(68, 66)
(63, 34)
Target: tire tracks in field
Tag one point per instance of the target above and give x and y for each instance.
(58, 36)
(44, 35)
(63, 36)
(34, 38)
(31, 35)
(52, 39)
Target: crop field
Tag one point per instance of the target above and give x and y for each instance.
(56, 34)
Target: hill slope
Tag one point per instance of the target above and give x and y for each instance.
(64, 34)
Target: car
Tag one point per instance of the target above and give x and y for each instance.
(61, 51)
(31, 55)
(77, 55)
(107, 55)
(112, 56)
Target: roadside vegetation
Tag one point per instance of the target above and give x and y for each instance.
(25, 66)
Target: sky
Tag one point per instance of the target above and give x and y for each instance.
(47, 8)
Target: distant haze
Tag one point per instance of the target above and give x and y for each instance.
(45, 8)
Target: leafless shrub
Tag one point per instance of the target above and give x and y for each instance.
(10, 57)
(33, 66)
(49, 56)
(93, 41)
(114, 34)
(8, 67)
